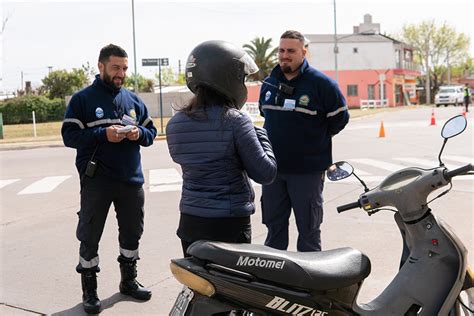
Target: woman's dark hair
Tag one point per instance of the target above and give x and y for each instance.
(205, 97)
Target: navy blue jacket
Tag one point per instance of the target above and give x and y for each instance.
(300, 123)
(216, 155)
(93, 109)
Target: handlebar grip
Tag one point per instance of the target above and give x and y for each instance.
(458, 171)
(346, 207)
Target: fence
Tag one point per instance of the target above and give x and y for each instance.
(251, 108)
(367, 104)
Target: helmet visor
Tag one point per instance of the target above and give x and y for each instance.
(249, 65)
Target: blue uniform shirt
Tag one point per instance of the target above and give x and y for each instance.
(301, 122)
(93, 109)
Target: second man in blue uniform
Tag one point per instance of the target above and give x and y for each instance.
(303, 110)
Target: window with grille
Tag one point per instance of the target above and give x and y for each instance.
(352, 90)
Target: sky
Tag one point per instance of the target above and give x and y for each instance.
(40, 35)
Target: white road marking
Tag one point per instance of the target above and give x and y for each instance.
(44, 185)
(163, 180)
(4, 183)
(170, 180)
(465, 160)
(165, 188)
(379, 164)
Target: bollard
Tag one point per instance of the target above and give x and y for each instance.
(1, 125)
(34, 124)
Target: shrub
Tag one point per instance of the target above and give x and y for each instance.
(18, 110)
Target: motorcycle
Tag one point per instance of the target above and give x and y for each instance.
(246, 279)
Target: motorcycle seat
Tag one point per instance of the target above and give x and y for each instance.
(324, 270)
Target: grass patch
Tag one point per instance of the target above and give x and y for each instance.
(52, 130)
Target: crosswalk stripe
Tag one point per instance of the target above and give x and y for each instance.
(165, 188)
(44, 185)
(4, 183)
(163, 180)
(379, 164)
(169, 179)
(418, 162)
(459, 159)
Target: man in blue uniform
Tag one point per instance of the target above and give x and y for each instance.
(107, 124)
(303, 110)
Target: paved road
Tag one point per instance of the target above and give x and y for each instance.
(40, 198)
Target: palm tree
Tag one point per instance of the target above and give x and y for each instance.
(258, 50)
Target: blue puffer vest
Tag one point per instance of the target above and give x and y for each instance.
(217, 156)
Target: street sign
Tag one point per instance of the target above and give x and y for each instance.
(150, 62)
(155, 62)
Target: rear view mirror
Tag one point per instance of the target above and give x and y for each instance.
(339, 170)
(454, 126)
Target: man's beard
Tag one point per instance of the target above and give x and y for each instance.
(286, 69)
(110, 81)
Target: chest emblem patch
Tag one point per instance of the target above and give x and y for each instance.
(304, 100)
(133, 114)
(267, 96)
(99, 113)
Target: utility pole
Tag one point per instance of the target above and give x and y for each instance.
(135, 81)
(335, 44)
(427, 83)
(448, 66)
(22, 80)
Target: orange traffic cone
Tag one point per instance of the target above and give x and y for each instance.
(433, 119)
(382, 130)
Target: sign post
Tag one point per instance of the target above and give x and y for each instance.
(157, 62)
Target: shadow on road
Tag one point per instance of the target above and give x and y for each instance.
(106, 304)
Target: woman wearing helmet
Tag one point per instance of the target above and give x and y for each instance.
(218, 147)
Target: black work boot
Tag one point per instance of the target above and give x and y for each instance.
(129, 285)
(90, 301)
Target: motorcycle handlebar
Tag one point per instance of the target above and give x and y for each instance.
(458, 171)
(349, 206)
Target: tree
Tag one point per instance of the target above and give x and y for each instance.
(258, 49)
(89, 71)
(435, 47)
(60, 83)
(143, 84)
(168, 77)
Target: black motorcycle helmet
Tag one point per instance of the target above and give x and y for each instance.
(221, 66)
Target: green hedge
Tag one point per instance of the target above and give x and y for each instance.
(18, 110)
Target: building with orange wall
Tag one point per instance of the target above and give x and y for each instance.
(373, 69)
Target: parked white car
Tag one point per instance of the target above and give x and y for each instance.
(449, 95)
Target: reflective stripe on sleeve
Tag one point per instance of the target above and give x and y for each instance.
(297, 109)
(145, 122)
(73, 120)
(275, 107)
(87, 264)
(104, 121)
(132, 254)
(342, 108)
(310, 112)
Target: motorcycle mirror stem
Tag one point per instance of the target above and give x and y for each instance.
(366, 189)
(441, 164)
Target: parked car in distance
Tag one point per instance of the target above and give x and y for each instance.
(449, 95)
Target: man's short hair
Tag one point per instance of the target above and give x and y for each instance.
(294, 35)
(111, 50)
